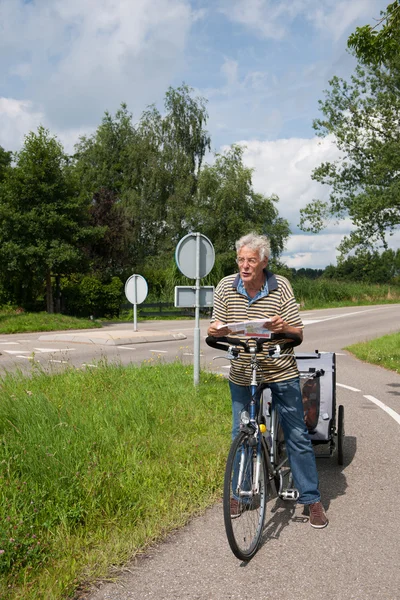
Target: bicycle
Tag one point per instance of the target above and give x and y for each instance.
(257, 459)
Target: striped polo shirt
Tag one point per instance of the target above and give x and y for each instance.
(233, 305)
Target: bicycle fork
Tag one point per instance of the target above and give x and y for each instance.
(255, 446)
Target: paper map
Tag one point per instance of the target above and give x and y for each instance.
(250, 328)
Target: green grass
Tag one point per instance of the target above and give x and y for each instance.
(96, 464)
(327, 293)
(12, 322)
(384, 351)
(310, 294)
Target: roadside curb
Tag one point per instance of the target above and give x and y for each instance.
(113, 338)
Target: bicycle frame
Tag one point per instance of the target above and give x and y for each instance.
(270, 442)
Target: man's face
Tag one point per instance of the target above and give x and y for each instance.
(250, 266)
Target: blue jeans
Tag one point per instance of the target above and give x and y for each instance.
(287, 398)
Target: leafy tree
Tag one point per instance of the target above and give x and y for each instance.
(43, 222)
(167, 163)
(227, 208)
(150, 170)
(307, 273)
(5, 161)
(363, 117)
(378, 44)
(102, 161)
(368, 267)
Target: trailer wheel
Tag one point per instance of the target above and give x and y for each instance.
(340, 434)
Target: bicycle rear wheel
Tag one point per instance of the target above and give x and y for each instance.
(245, 499)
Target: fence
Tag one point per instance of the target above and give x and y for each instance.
(166, 309)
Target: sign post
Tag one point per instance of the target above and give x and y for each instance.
(136, 290)
(195, 258)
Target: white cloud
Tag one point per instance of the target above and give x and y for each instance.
(229, 70)
(17, 118)
(79, 58)
(272, 19)
(283, 167)
(338, 17)
(313, 251)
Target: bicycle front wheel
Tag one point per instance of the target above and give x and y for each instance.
(245, 496)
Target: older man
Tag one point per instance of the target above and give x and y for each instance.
(256, 293)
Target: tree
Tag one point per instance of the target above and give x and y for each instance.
(363, 117)
(43, 222)
(368, 267)
(109, 254)
(167, 163)
(5, 161)
(378, 44)
(150, 170)
(227, 207)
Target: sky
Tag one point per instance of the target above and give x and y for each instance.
(263, 65)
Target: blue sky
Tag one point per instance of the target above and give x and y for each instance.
(262, 65)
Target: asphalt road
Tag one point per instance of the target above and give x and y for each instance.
(355, 557)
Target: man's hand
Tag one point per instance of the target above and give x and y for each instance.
(221, 332)
(278, 325)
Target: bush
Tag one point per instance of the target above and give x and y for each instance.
(86, 296)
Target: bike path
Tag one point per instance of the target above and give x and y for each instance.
(354, 558)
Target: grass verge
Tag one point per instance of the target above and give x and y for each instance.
(327, 293)
(12, 322)
(384, 351)
(96, 464)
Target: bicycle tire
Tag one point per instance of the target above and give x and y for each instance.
(244, 526)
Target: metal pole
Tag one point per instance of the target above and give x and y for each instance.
(135, 304)
(196, 349)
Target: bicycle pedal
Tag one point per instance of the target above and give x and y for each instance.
(289, 494)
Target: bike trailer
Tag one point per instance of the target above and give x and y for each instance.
(318, 386)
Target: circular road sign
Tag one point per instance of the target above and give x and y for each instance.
(186, 253)
(136, 289)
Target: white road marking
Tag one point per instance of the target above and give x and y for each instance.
(89, 365)
(44, 350)
(17, 351)
(58, 361)
(26, 357)
(126, 348)
(322, 319)
(10, 343)
(159, 351)
(383, 406)
(348, 387)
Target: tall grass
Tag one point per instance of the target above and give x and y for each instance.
(95, 464)
(17, 322)
(322, 293)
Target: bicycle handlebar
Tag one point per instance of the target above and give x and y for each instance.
(223, 343)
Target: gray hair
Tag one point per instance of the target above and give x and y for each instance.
(257, 243)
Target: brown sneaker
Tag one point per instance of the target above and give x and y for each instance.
(318, 518)
(236, 508)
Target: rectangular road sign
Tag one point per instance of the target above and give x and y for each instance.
(185, 296)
